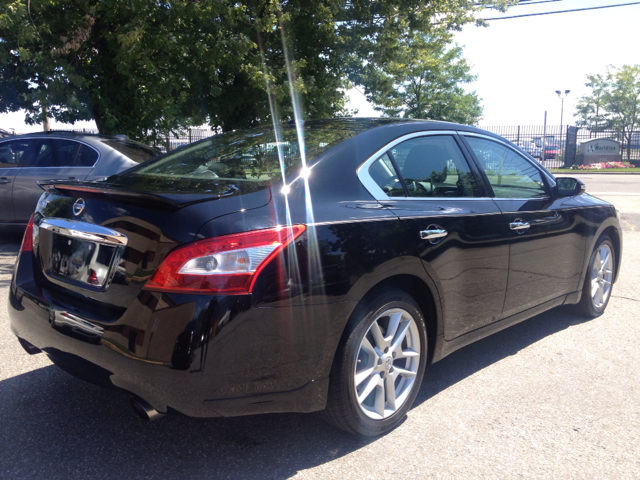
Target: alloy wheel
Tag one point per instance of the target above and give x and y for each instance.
(601, 276)
(387, 363)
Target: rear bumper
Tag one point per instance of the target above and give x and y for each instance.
(201, 356)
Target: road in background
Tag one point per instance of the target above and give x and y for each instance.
(555, 396)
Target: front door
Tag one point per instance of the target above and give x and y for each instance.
(547, 249)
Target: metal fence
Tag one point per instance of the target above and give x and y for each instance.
(174, 141)
(526, 135)
(529, 137)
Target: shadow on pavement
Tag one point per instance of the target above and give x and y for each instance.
(9, 248)
(60, 427)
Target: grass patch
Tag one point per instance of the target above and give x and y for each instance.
(604, 170)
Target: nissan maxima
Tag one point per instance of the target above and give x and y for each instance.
(304, 267)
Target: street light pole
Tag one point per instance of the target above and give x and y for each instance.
(566, 92)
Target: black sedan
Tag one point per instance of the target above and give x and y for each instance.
(27, 159)
(307, 267)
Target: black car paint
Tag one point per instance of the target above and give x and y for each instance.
(272, 350)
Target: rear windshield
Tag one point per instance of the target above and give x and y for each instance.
(135, 151)
(240, 161)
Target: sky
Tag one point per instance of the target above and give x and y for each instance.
(521, 62)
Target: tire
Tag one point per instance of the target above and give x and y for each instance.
(598, 281)
(376, 376)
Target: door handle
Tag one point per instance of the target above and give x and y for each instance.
(4, 180)
(519, 225)
(433, 233)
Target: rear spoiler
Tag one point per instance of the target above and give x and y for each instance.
(105, 191)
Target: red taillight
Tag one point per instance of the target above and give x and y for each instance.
(27, 240)
(93, 277)
(227, 264)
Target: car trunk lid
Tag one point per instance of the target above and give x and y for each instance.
(102, 243)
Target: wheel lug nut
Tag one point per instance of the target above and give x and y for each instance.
(379, 361)
(391, 370)
(393, 354)
(381, 374)
(386, 350)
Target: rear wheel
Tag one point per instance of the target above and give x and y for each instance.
(379, 366)
(598, 282)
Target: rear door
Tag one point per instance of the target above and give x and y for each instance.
(13, 154)
(52, 159)
(457, 231)
(547, 248)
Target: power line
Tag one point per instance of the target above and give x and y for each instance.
(563, 11)
(520, 4)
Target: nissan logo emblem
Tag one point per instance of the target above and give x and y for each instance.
(78, 207)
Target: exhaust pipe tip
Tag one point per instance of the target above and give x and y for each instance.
(29, 348)
(144, 410)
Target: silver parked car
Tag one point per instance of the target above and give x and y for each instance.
(26, 159)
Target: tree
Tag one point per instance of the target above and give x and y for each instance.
(424, 82)
(148, 67)
(614, 102)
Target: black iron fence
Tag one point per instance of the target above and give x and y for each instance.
(172, 142)
(530, 138)
(562, 143)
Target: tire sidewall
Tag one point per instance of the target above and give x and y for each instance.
(386, 301)
(589, 304)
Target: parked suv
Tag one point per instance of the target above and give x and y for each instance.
(26, 159)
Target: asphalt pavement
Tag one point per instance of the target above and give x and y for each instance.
(556, 396)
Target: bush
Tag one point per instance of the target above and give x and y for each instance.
(605, 165)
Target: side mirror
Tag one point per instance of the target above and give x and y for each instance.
(568, 186)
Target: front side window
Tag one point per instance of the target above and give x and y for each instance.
(510, 174)
(430, 166)
(13, 153)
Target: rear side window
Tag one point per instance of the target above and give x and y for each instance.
(383, 172)
(429, 166)
(87, 157)
(510, 174)
(14, 153)
(54, 152)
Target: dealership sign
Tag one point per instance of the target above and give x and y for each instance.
(600, 146)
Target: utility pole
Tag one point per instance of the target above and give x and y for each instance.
(544, 140)
(566, 92)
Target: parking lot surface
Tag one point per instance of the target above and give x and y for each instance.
(556, 396)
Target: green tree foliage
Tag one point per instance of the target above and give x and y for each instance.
(147, 67)
(614, 102)
(423, 81)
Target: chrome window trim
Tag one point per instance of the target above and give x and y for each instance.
(550, 179)
(363, 170)
(56, 137)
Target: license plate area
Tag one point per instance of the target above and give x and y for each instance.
(82, 261)
(78, 253)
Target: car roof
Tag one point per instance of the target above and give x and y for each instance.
(91, 138)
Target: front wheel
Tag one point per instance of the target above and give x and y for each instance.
(598, 282)
(379, 366)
